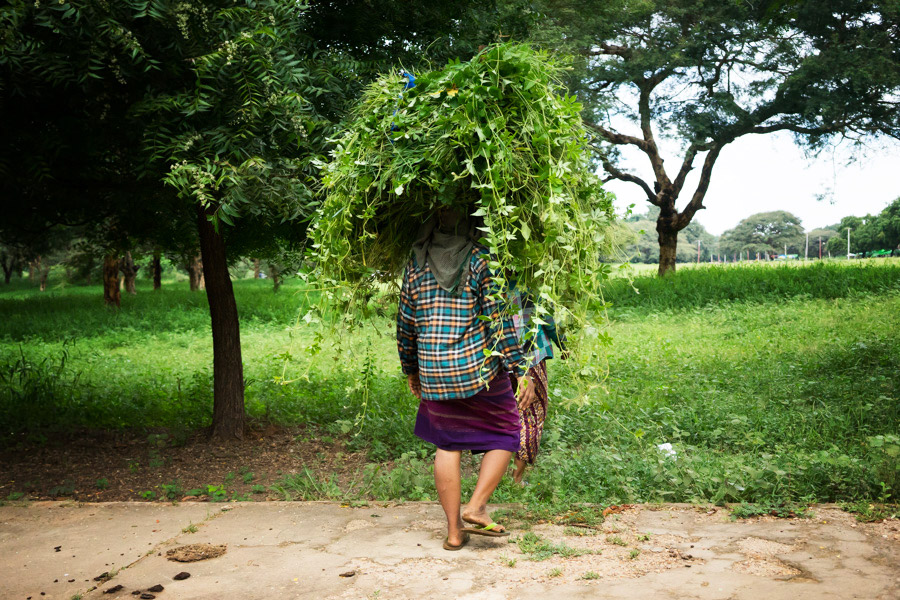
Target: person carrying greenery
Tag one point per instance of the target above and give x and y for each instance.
(457, 343)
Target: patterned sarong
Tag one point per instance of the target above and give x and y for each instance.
(531, 420)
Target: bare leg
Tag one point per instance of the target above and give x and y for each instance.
(447, 482)
(519, 473)
(493, 466)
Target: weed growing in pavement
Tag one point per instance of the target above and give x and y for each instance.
(554, 572)
(589, 575)
(190, 529)
(506, 561)
(614, 539)
(537, 548)
(634, 553)
(780, 510)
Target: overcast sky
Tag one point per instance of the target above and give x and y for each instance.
(762, 173)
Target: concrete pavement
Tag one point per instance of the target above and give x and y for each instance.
(55, 550)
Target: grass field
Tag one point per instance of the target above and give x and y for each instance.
(772, 384)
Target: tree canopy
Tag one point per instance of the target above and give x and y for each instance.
(706, 73)
(766, 233)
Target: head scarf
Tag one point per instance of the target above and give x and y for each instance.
(445, 250)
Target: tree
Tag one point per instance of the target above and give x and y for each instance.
(767, 233)
(707, 73)
(208, 113)
(820, 237)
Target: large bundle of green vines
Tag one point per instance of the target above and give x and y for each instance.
(496, 135)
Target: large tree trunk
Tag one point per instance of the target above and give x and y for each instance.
(228, 370)
(129, 273)
(275, 274)
(157, 271)
(668, 244)
(111, 294)
(255, 268)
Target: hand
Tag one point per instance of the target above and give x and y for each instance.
(415, 386)
(525, 394)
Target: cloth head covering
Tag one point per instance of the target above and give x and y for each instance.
(444, 248)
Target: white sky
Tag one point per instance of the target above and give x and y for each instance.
(762, 173)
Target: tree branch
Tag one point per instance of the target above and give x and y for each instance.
(609, 50)
(649, 148)
(623, 176)
(616, 138)
(696, 203)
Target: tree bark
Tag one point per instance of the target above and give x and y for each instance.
(157, 271)
(195, 273)
(228, 370)
(44, 273)
(668, 245)
(9, 263)
(275, 274)
(255, 268)
(129, 273)
(111, 294)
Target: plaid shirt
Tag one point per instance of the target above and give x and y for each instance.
(442, 338)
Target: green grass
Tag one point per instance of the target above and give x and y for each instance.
(764, 283)
(774, 385)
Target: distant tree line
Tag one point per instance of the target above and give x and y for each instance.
(771, 234)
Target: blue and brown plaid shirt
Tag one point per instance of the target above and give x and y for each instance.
(444, 337)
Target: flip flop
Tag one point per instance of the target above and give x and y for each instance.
(449, 546)
(487, 530)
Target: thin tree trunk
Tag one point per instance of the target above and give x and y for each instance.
(44, 274)
(129, 273)
(195, 273)
(275, 274)
(255, 268)
(31, 267)
(668, 244)
(111, 294)
(157, 271)
(9, 263)
(228, 370)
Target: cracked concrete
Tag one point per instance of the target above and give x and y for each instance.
(326, 550)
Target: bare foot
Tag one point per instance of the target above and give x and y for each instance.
(480, 517)
(455, 538)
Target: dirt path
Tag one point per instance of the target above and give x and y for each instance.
(55, 550)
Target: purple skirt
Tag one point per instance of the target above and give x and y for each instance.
(489, 420)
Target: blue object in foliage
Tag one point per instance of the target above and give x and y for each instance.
(410, 83)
